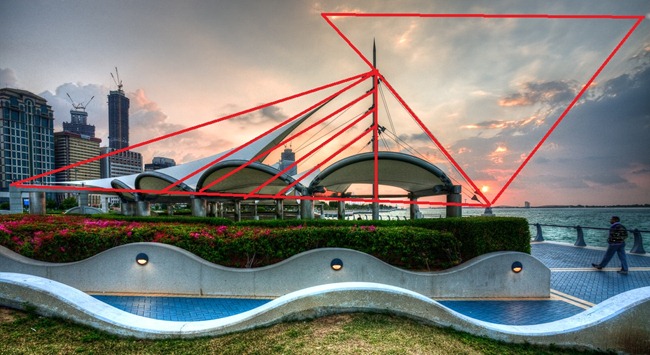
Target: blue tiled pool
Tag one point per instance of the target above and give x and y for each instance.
(185, 309)
(188, 309)
(514, 312)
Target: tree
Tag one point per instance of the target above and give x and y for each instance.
(50, 204)
(68, 203)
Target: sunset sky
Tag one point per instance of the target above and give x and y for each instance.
(487, 89)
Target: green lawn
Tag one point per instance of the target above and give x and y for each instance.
(27, 333)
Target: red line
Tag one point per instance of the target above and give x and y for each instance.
(361, 76)
(327, 141)
(295, 136)
(433, 138)
(240, 195)
(375, 132)
(457, 15)
(638, 18)
(368, 130)
(169, 135)
(354, 48)
(566, 111)
(269, 131)
(300, 133)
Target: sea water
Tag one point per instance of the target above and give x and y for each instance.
(631, 218)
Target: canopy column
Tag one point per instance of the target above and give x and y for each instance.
(455, 197)
(143, 208)
(128, 208)
(83, 200)
(279, 209)
(221, 207)
(199, 206)
(37, 202)
(237, 210)
(341, 210)
(413, 207)
(307, 209)
(15, 200)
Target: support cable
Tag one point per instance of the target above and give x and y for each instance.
(329, 122)
(403, 144)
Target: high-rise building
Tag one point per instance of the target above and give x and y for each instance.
(71, 148)
(287, 158)
(26, 137)
(159, 163)
(79, 124)
(120, 164)
(118, 119)
(126, 162)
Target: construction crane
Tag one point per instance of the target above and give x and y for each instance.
(117, 81)
(79, 106)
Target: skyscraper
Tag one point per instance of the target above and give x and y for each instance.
(159, 163)
(287, 158)
(118, 119)
(79, 124)
(122, 163)
(26, 137)
(71, 148)
(76, 143)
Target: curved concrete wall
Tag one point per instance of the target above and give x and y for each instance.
(620, 323)
(174, 271)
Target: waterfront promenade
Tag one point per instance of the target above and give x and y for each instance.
(575, 287)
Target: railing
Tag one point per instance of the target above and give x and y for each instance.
(637, 248)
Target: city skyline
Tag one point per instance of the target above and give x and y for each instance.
(487, 117)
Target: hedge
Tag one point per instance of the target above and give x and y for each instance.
(73, 238)
(477, 235)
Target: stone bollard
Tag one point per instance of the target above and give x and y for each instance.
(539, 237)
(637, 248)
(580, 241)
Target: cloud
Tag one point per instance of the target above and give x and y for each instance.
(602, 143)
(604, 179)
(642, 171)
(415, 138)
(147, 121)
(93, 96)
(494, 124)
(269, 114)
(550, 92)
(274, 113)
(8, 78)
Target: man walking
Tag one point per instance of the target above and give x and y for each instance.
(616, 241)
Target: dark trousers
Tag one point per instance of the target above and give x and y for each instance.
(618, 248)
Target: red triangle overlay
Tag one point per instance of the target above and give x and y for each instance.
(373, 130)
(638, 19)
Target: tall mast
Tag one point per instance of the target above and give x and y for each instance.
(374, 54)
(374, 97)
(375, 133)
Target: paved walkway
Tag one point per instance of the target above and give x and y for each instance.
(575, 286)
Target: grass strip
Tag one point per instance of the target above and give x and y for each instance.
(360, 333)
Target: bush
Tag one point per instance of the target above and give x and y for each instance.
(477, 235)
(73, 238)
(69, 203)
(482, 235)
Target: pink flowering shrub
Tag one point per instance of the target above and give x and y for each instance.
(73, 238)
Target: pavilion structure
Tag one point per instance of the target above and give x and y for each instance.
(240, 177)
